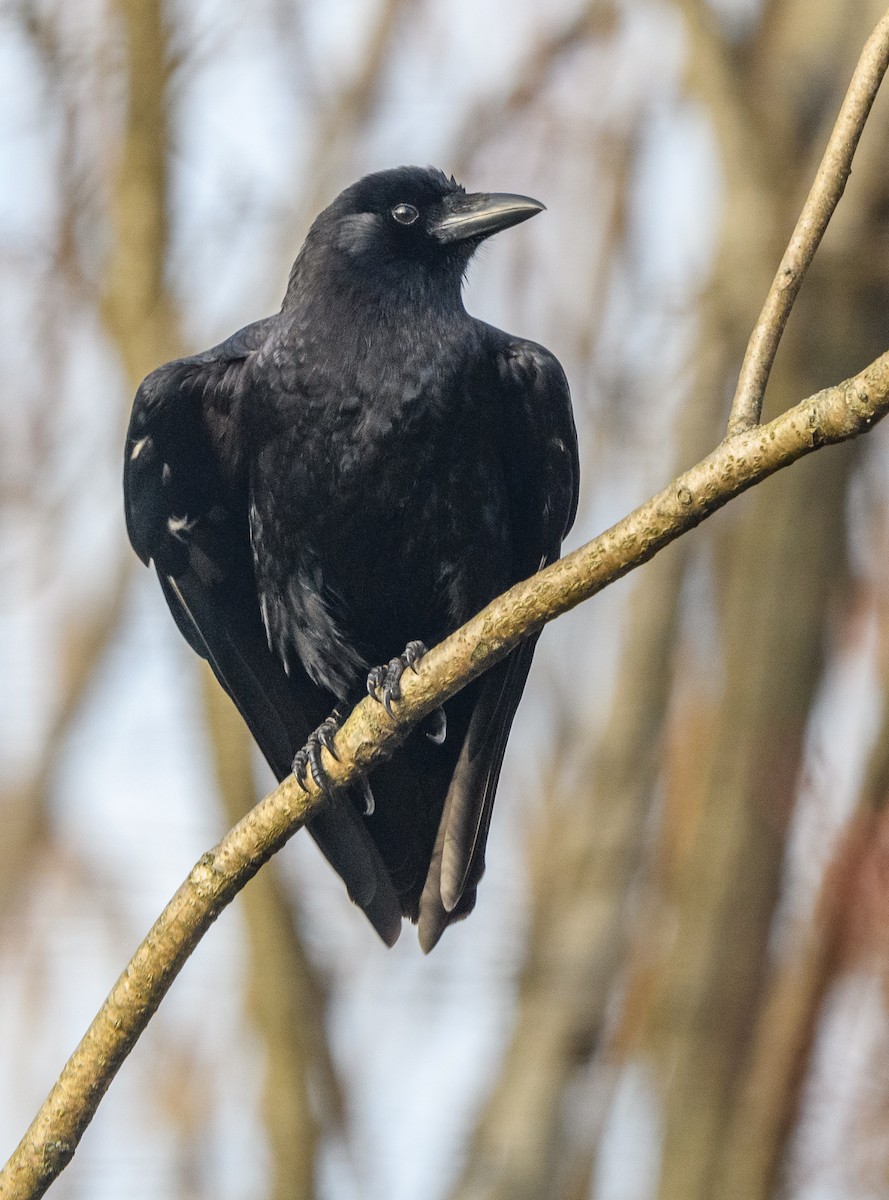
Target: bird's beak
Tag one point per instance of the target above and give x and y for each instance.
(479, 214)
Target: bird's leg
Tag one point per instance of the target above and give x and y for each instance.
(308, 760)
(384, 685)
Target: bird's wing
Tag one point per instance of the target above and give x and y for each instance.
(187, 511)
(542, 471)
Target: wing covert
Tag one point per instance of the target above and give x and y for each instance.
(542, 462)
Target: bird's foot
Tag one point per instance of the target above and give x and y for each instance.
(384, 683)
(308, 760)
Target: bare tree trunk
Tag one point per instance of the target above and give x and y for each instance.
(137, 305)
(730, 820)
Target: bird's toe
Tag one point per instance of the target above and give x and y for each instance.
(307, 761)
(413, 652)
(384, 682)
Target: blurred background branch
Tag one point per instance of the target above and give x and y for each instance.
(675, 982)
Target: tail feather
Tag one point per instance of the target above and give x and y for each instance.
(458, 857)
(280, 719)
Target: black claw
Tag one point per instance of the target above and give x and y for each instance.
(375, 681)
(308, 760)
(300, 763)
(413, 652)
(384, 683)
(326, 734)
(438, 727)
(369, 802)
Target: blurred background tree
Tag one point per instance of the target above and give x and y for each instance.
(675, 983)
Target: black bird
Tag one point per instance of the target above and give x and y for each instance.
(336, 485)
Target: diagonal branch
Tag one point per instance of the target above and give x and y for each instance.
(824, 196)
(369, 736)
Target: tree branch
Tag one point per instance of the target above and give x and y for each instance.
(369, 736)
(746, 457)
(830, 183)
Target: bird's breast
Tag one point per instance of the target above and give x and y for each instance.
(389, 506)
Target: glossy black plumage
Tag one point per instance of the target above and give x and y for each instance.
(369, 466)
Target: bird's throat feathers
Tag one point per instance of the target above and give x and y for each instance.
(382, 289)
(366, 320)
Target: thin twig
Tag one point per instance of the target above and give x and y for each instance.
(368, 737)
(829, 185)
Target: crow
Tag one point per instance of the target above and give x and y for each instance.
(344, 483)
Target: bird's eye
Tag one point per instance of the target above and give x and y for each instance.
(405, 214)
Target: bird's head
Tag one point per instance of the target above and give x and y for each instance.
(411, 223)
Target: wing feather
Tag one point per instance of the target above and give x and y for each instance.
(541, 462)
(186, 510)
